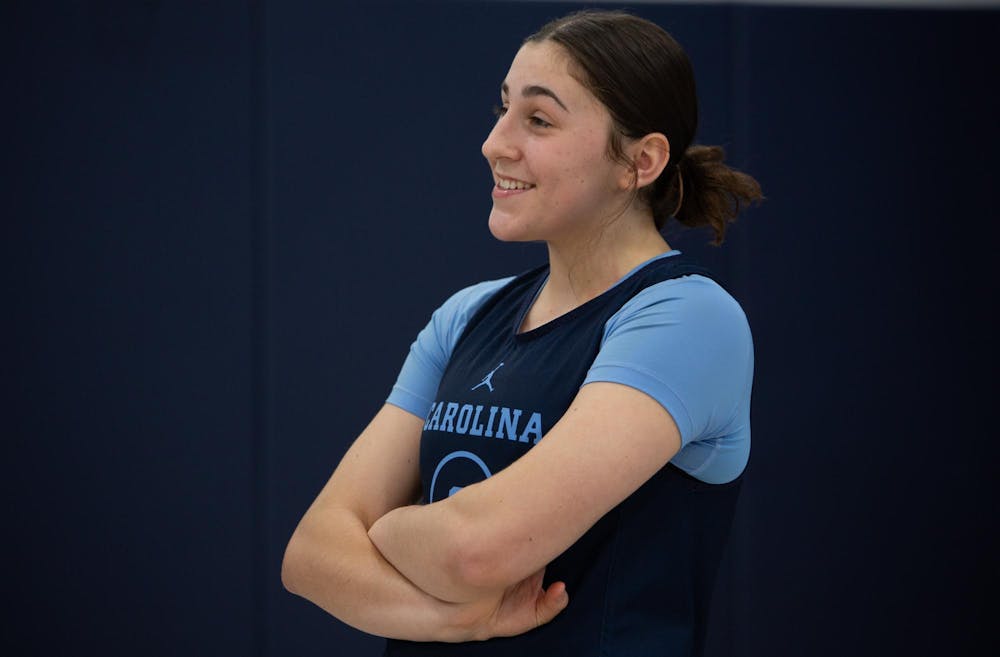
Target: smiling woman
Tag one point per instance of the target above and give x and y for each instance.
(555, 470)
(548, 152)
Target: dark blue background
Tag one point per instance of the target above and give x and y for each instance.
(225, 222)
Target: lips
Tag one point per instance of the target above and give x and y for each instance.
(506, 187)
(507, 183)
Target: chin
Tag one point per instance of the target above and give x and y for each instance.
(508, 229)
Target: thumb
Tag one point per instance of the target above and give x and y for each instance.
(551, 601)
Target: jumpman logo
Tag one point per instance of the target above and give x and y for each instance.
(488, 379)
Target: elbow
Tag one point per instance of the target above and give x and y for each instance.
(475, 562)
(287, 579)
(479, 549)
(291, 565)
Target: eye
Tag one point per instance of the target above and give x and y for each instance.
(499, 110)
(539, 122)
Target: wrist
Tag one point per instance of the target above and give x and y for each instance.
(468, 621)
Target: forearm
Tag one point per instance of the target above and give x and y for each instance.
(337, 567)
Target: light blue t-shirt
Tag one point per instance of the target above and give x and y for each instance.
(685, 342)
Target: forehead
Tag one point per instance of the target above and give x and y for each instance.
(547, 64)
(543, 57)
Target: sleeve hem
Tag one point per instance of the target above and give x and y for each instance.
(408, 401)
(646, 382)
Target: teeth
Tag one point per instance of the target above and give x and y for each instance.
(513, 184)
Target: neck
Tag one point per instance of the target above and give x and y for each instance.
(587, 266)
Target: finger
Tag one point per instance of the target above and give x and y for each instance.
(551, 602)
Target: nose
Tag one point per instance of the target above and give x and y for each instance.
(500, 143)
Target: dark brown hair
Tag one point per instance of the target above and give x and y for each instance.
(644, 78)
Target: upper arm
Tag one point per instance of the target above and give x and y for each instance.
(686, 343)
(671, 383)
(611, 440)
(379, 472)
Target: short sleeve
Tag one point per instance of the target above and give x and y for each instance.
(686, 343)
(421, 373)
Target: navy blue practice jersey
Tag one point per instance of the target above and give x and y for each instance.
(640, 578)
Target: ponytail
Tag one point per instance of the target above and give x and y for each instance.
(701, 190)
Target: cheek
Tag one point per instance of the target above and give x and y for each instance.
(588, 163)
(588, 179)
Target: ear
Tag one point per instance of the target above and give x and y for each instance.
(650, 155)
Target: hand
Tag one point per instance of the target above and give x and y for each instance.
(520, 607)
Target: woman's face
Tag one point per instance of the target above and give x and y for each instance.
(548, 152)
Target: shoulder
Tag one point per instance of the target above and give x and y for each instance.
(469, 298)
(694, 301)
(431, 350)
(451, 317)
(688, 331)
(686, 342)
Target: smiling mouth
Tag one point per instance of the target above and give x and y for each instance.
(504, 183)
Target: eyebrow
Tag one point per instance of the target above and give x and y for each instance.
(535, 90)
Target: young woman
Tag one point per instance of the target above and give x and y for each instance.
(555, 470)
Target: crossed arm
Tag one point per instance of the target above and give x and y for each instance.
(469, 567)
(331, 561)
